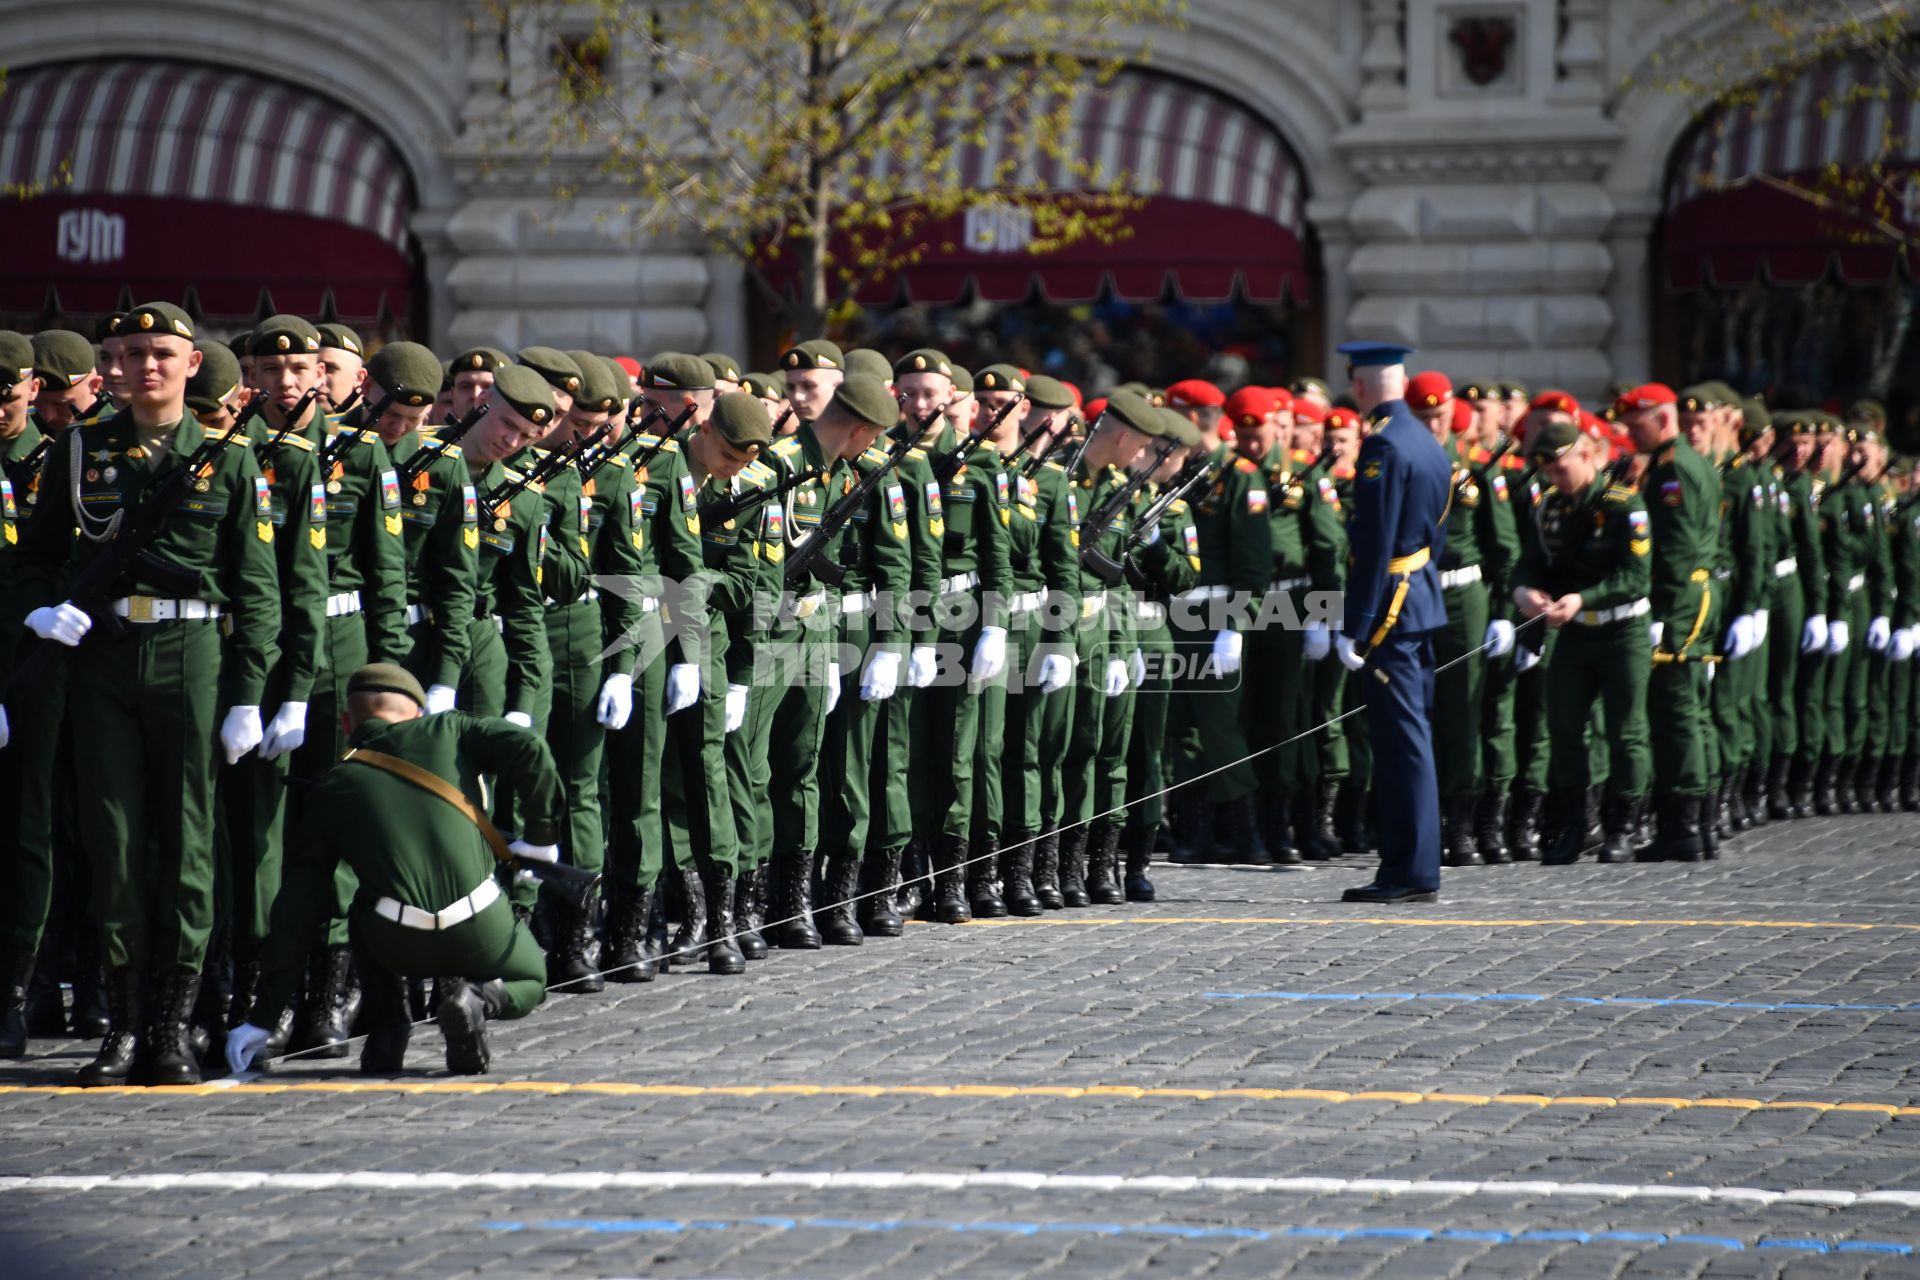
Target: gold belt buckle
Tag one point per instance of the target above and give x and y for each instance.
(139, 608)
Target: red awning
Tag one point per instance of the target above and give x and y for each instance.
(1726, 226)
(191, 178)
(1222, 212)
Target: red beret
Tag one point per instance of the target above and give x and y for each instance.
(1429, 390)
(1647, 396)
(1194, 394)
(1342, 418)
(1555, 402)
(1249, 406)
(631, 365)
(1305, 410)
(1075, 393)
(1094, 408)
(1282, 398)
(1463, 416)
(1595, 427)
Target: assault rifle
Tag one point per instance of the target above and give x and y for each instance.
(426, 456)
(734, 505)
(947, 464)
(545, 469)
(652, 451)
(1108, 511)
(807, 558)
(287, 425)
(1109, 569)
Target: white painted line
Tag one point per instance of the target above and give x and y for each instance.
(890, 1180)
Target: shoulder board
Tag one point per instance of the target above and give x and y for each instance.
(294, 440)
(1620, 493)
(242, 438)
(1178, 507)
(757, 473)
(916, 453)
(874, 454)
(1303, 456)
(785, 447)
(620, 461)
(1245, 466)
(1343, 472)
(1514, 462)
(671, 446)
(1054, 466)
(1480, 455)
(514, 475)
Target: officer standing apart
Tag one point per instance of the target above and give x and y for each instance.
(1392, 610)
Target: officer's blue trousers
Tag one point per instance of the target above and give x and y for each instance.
(1399, 691)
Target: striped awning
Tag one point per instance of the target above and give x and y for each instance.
(202, 152)
(1727, 224)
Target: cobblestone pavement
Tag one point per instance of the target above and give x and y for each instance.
(1161, 1090)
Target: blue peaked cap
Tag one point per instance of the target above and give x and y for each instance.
(1364, 354)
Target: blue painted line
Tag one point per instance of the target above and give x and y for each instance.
(1184, 1231)
(1529, 997)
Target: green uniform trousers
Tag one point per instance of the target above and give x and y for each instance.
(490, 945)
(1094, 772)
(1533, 749)
(699, 806)
(847, 749)
(890, 815)
(1679, 690)
(1499, 757)
(1152, 702)
(36, 784)
(1326, 754)
(748, 777)
(1846, 689)
(343, 652)
(1872, 732)
(1783, 695)
(635, 758)
(1203, 717)
(795, 673)
(953, 725)
(1610, 665)
(573, 729)
(1029, 774)
(1271, 706)
(1458, 689)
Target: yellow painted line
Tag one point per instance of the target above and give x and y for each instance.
(1422, 922)
(622, 1089)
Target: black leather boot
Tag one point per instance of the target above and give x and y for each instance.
(1524, 841)
(1800, 787)
(1845, 798)
(687, 941)
(1016, 874)
(1779, 797)
(1192, 825)
(1277, 816)
(834, 917)
(16, 976)
(1103, 864)
(462, 1014)
(881, 874)
(1319, 834)
(1886, 792)
(1910, 782)
(723, 952)
(795, 872)
(387, 1015)
(1826, 802)
(983, 895)
(1719, 810)
(571, 960)
(655, 945)
(1490, 826)
(1137, 844)
(750, 912)
(171, 1059)
(324, 1030)
(1709, 837)
(1676, 831)
(1046, 872)
(87, 1019)
(1736, 787)
(1578, 835)
(126, 1014)
(46, 1009)
(949, 881)
(1236, 823)
(1459, 813)
(916, 883)
(626, 958)
(1753, 794)
(1617, 814)
(1073, 866)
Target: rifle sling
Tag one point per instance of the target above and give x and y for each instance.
(434, 784)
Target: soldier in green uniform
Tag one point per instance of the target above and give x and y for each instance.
(1903, 702)
(1798, 620)
(343, 367)
(1867, 726)
(1746, 525)
(473, 372)
(70, 382)
(404, 808)
(1586, 569)
(1848, 529)
(1332, 815)
(140, 703)
(1683, 505)
(1209, 621)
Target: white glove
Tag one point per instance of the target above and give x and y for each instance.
(1760, 617)
(1813, 637)
(1137, 669)
(286, 732)
(882, 678)
(1656, 632)
(64, 622)
(1499, 638)
(439, 698)
(1055, 673)
(534, 852)
(1838, 634)
(833, 686)
(1227, 647)
(243, 1042)
(1711, 668)
(683, 686)
(921, 666)
(6, 734)
(1879, 634)
(1900, 650)
(1116, 677)
(990, 654)
(1742, 637)
(616, 701)
(1349, 653)
(736, 707)
(240, 732)
(1316, 642)
(1525, 660)
(520, 718)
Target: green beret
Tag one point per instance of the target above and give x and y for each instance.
(62, 357)
(1132, 409)
(481, 359)
(1558, 436)
(241, 344)
(1867, 411)
(407, 371)
(1754, 418)
(1048, 393)
(999, 377)
(1477, 390)
(1135, 388)
(600, 391)
(340, 338)
(764, 385)
(386, 677)
(867, 399)
(555, 365)
(157, 317)
(962, 380)
(870, 363)
(1315, 387)
(16, 359)
(526, 393)
(108, 326)
(215, 379)
(742, 420)
(923, 360)
(284, 336)
(725, 367)
(1698, 397)
(675, 371)
(815, 354)
(1515, 390)
(446, 376)
(1179, 428)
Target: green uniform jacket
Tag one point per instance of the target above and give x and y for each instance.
(224, 533)
(401, 841)
(879, 557)
(615, 515)
(1746, 536)
(978, 502)
(513, 541)
(563, 571)
(1235, 529)
(1041, 553)
(300, 552)
(440, 521)
(1171, 562)
(926, 541)
(670, 540)
(1846, 534)
(19, 493)
(1882, 594)
(806, 504)
(1683, 502)
(1906, 564)
(1304, 516)
(1486, 498)
(1800, 538)
(1595, 542)
(1085, 493)
(740, 570)
(365, 549)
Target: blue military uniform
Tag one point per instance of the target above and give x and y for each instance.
(1393, 607)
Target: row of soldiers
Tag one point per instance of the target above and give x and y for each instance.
(820, 650)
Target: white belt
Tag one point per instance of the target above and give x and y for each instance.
(1290, 584)
(1150, 613)
(1451, 578)
(1026, 602)
(1091, 605)
(1195, 596)
(1638, 609)
(959, 582)
(855, 602)
(1786, 568)
(592, 594)
(459, 913)
(416, 614)
(650, 604)
(804, 606)
(1856, 582)
(499, 623)
(340, 606)
(153, 609)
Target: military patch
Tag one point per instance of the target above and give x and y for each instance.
(263, 530)
(1499, 485)
(1191, 536)
(1786, 503)
(1001, 489)
(1371, 471)
(636, 508)
(317, 538)
(317, 505)
(1073, 507)
(773, 529)
(469, 505)
(586, 512)
(1638, 523)
(262, 497)
(389, 490)
(1329, 494)
(393, 525)
(933, 500)
(1256, 502)
(896, 503)
(6, 499)
(1670, 492)
(1759, 497)
(1028, 491)
(687, 500)
(1640, 546)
